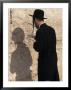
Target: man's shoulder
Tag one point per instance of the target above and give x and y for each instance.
(50, 28)
(45, 26)
(46, 29)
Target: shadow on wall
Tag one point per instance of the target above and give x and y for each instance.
(21, 58)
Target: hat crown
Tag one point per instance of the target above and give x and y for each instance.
(39, 14)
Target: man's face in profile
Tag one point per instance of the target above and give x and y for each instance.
(36, 23)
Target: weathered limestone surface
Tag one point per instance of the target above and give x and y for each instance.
(19, 18)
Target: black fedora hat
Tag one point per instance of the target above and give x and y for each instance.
(38, 14)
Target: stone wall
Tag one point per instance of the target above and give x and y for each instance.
(19, 18)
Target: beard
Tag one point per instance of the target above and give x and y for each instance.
(37, 26)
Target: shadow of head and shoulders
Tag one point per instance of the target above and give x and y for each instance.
(21, 59)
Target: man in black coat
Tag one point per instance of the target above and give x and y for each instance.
(45, 45)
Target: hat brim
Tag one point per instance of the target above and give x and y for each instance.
(32, 16)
